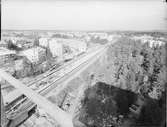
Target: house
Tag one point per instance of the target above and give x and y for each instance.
(32, 61)
(22, 68)
(35, 55)
(20, 64)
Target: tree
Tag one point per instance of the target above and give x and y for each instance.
(102, 106)
(12, 46)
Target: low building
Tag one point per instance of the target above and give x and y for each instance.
(20, 42)
(56, 49)
(75, 45)
(35, 55)
(150, 40)
(68, 57)
(6, 56)
(22, 68)
(32, 62)
(3, 44)
(110, 37)
(43, 42)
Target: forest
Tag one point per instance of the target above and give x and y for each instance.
(137, 97)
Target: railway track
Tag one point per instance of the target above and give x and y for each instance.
(39, 81)
(43, 85)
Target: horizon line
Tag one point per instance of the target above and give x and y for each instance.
(85, 30)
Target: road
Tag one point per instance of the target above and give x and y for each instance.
(57, 113)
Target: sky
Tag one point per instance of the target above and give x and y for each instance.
(109, 15)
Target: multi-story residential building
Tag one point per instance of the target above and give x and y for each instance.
(55, 48)
(63, 47)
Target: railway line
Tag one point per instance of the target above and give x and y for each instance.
(40, 80)
(43, 84)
